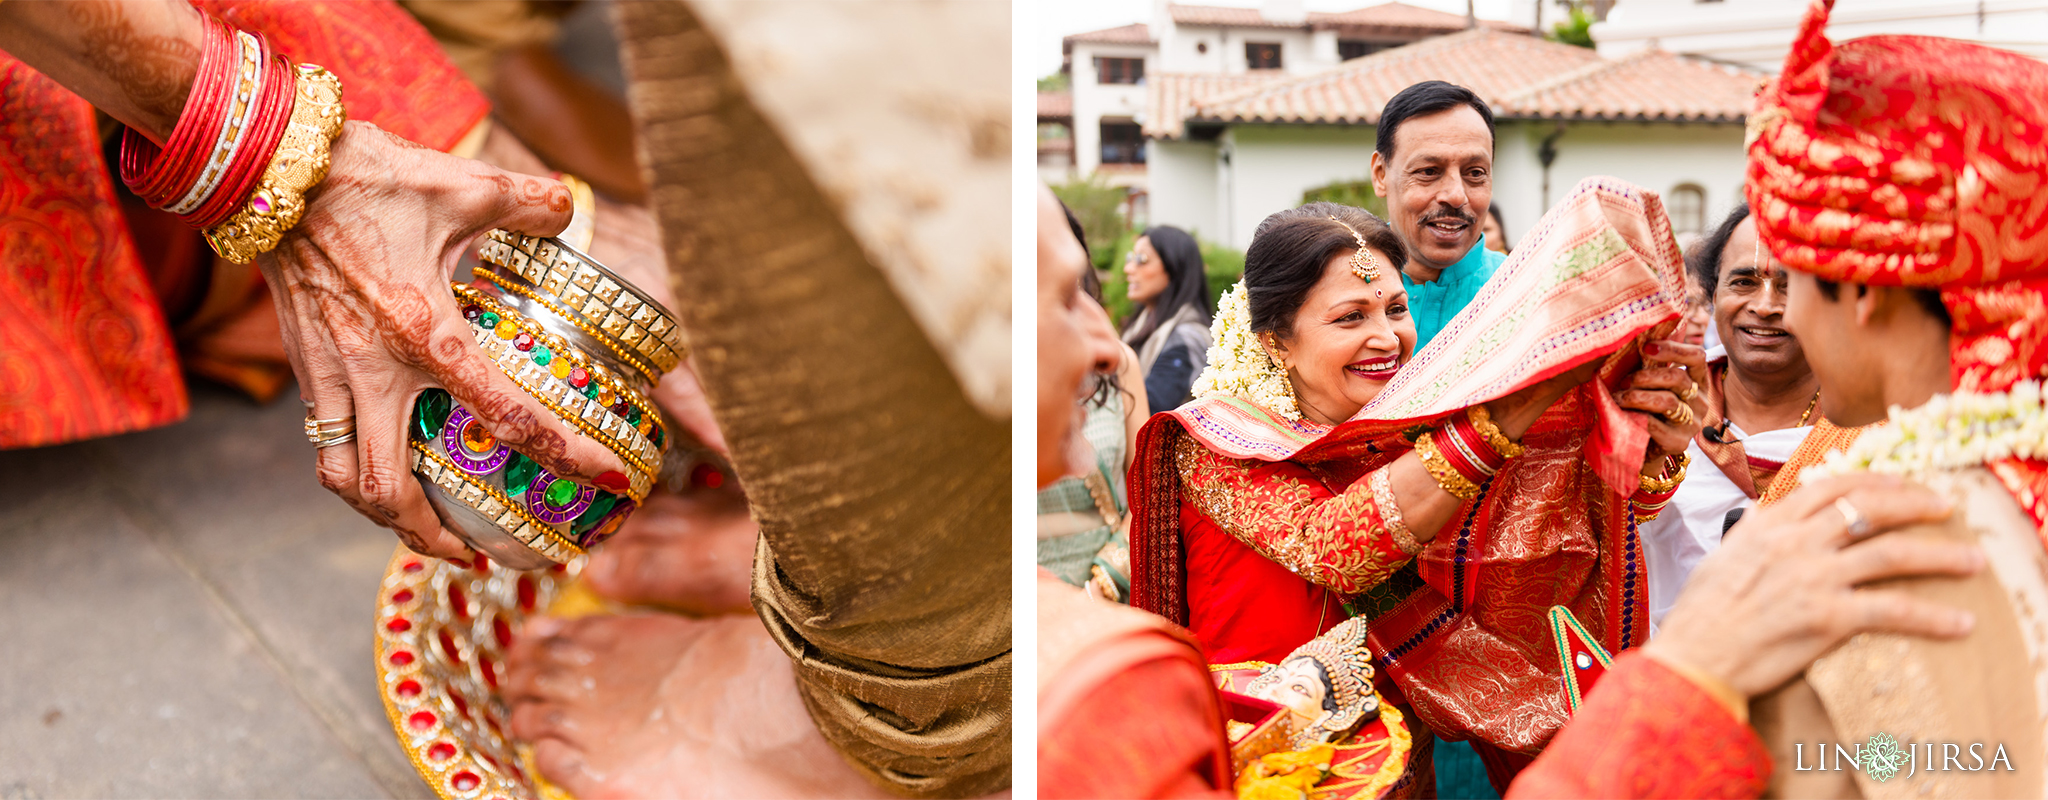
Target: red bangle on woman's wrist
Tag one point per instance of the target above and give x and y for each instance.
(161, 175)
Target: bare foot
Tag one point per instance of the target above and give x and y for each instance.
(692, 552)
(660, 705)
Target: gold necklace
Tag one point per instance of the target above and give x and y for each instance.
(1808, 414)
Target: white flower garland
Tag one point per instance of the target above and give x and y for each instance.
(1951, 432)
(1239, 365)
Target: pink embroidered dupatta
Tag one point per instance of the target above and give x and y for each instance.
(1462, 630)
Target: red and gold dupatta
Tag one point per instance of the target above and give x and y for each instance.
(1469, 644)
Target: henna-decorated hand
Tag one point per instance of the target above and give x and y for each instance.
(1671, 369)
(362, 294)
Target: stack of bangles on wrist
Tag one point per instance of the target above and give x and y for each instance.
(1465, 452)
(572, 384)
(1656, 492)
(252, 140)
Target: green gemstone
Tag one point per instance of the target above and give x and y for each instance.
(541, 355)
(561, 493)
(633, 414)
(430, 412)
(489, 320)
(599, 507)
(519, 473)
(590, 390)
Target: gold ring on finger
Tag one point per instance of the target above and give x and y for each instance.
(1859, 525)
(1680, 416)
(319, 431)
(1692, 390)
(335, 439)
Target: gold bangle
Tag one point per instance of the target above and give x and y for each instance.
(1483, 420)
(1719, 690)
(299, 164)
(587, 294)
(629, 450)
(577, 358)
(1390, 513)
(1446, 475)
(1674, 474)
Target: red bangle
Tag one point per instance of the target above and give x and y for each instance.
(160, 176)
(1461, 441)
(267, 125)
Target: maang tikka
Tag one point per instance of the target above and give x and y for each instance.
(1364, 263)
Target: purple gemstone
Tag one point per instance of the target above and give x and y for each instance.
(261, 205)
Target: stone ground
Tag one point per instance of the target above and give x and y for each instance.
(185, 612)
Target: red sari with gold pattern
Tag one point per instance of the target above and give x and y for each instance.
(1252, 530)
(88, 349)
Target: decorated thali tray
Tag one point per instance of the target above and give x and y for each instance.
(443, 631)
(1368, 764)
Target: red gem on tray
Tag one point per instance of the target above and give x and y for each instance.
(412, 566)
(464, 781)
(483, 564)
(441, 751)
(490, 670)
(398, 625)
(528, 595)
(524, 341)
(401, 659)
(579, 377)
(458, 602)
(502, 631)
(421, 720)
(448, 647)
(407, 688)
(402, 596)
(461, 704)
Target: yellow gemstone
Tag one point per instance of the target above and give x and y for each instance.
(604, 395)
(560, 368)
(476, 439)
(507, 329)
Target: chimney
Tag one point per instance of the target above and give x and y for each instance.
(1292, 12)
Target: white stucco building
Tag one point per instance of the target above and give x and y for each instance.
(1758, 33)
(1228, 150)
(1111, 69)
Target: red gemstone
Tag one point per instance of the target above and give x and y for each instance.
(448, 647)
(441, 751)
(464, 781)
(401, 659)
(402, 596)
(407, 688)
(458, 602)
(524, 341)
(579, 377)
(412, 566)
(461, 704)
(502, 630)
(482, 564)
(422, 720)
(490, 670)
(398, 625)
(528, 595)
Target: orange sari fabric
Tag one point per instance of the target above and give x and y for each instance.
(1646, 731)
(90, 352)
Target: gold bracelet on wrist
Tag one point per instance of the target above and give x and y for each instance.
(1446, 475)
(1483, 420)
(299, 164)
(1674, 474)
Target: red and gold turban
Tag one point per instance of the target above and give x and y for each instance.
(1915, 161)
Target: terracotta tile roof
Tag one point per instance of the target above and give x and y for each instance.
(1224, 17)
(1647, 85)
(1396, 18)
(1520, 76)
(1170, 96)
(1055, 105)
(1134, 33)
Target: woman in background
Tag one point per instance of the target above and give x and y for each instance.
(1171, 334)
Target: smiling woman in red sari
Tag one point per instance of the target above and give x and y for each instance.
(1325, 471)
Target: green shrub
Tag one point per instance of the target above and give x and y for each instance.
(1357, 194)
(1100, 208)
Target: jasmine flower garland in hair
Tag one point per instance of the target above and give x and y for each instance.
(1239, 365)
(1951, 432)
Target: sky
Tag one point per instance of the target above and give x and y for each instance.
(1057, 18)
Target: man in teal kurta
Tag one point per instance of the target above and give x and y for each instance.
(1433, 162)
(1433, 304)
